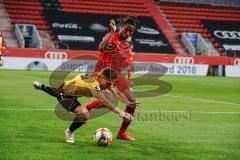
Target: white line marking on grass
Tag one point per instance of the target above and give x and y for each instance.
(182, 97)
(194, 99)
(27, 109)
(204, 100)
(202, 112)
(186, 111)
(215, 112)
(26, 77)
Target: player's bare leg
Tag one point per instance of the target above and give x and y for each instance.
(51, 91)
(122, 134)
(81, 113)
(82, 116)
(122, 131)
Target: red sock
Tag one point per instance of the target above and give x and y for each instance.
(125, 124)
(93, 104)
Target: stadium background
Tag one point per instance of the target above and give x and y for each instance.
(197, 41)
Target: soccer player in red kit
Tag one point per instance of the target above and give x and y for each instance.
(2, 48)
(116, 53)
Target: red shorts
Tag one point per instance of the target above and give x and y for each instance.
(121, 83)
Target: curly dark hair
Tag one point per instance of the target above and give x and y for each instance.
(132, 20)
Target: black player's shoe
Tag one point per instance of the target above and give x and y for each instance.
(37, 85)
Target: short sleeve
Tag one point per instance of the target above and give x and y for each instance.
(95, 89)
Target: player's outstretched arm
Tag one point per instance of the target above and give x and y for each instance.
(124, 99)
(113, 107)
(103, 45)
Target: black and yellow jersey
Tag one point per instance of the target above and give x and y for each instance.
(86, 85)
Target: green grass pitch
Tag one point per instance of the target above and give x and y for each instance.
(202, 121)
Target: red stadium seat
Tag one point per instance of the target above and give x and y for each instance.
(187, 18)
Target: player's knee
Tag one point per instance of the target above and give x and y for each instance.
(82, 113)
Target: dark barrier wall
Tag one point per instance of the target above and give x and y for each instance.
(226, 33)
(85, 31)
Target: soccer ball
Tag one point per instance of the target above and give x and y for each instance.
(103, 136)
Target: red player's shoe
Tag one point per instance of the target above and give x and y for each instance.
(125, 136)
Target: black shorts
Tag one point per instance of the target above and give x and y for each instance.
(70, 103)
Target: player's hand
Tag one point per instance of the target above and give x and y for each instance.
(112, 25)
(131, 104)
(126, 116)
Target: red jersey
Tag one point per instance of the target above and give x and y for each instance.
(117, 54)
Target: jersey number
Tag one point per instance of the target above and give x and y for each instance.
(87, 77)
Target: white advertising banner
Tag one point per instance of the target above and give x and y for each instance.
(171, 69)
(83, 65)
(232, 71)
(20, 63)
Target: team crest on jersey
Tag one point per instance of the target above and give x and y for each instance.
(88, 77)
(98, 89)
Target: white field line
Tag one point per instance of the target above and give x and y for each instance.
(182, 97)
(204, 100)
(150, 111)
(26, 77)
(195, 99)
(187, 111)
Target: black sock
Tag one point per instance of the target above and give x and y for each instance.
(51, 91)
(75, 124)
